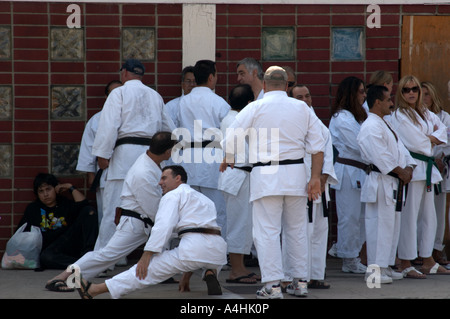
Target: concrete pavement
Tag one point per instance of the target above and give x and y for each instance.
(28, 284)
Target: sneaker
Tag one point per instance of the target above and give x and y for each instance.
(299, 290)
(273, 293)
(393, 274)
(383, 277)
(333, 250)
(353, 265)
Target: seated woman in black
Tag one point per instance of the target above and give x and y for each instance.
(69, 227)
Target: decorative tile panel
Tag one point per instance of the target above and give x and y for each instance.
(278, 44)
(5, 102)
(347, 44)
(64, 159)
(138, 43)
(67, 102)
(67, 44)
(5, 160)
(5, 42)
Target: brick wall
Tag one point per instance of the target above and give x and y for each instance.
(31, 72)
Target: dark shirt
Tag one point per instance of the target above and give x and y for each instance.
(52, 221)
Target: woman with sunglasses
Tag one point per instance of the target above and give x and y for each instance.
(347, 117)
(420, 131)
(441, 154)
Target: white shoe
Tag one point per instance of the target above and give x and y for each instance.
(300, 289)
(393, 274)
(273, 293)
(382, 277)
(333, 250)
(353, 265)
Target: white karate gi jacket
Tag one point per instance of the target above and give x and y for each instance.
(344, 129)
(184, 208)
(379, 147)
(171, 109)
(141, 192)
(440, 151)
(231, 180)
(86, 161)
(200, 114)
(415, 138)
(292, 130)
(132, 109)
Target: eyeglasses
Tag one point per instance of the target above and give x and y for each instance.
(415, 89)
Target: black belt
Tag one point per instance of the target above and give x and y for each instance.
(202, 230)
(124, 140)
(244, 168)
(147, 221)
(204, 144)
(284, 162)
(347, 161)
(399, 199)
(324, 205)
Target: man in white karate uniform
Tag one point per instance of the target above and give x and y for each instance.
(131, 115)
(88, 162)
(139, 203)
(250, 72)
(187, 84)
(193, 216)
(281, 131)
(392, 168)
(318, 212)
(199, 118)
(235, 185)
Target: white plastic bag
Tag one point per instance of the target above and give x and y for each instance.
(23, 249)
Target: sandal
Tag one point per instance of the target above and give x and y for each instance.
(58, 285)
(83, 290)
(242, 280)
(212, 283)
(436, 270)
(413, 273)
(318, 284)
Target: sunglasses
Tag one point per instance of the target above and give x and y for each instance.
(415, 89)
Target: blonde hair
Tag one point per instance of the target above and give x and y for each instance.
(403, 106)
(436, 101)
(380, 78)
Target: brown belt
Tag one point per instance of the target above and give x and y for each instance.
(210, 231)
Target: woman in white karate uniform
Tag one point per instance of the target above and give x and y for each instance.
(441, 153)
(420, 131)
(346, 119)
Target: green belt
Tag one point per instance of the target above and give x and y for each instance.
(430, 162)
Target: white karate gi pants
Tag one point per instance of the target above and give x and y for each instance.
(271, 215)
(318, 240)
(382, 230)
(239, 220)
(418, 223)
(162, 266)
(129, 235)
(111, 200)
(350, 225)
(440, 202)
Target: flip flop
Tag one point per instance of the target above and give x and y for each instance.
(212, 283)
(417, 274)
(253, 275)
(58, 285)
(435, 270)
(83, 290)
(239, 280)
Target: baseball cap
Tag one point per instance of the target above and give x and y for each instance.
(275, 73)
(133, 66)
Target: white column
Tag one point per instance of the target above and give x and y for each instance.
(199, 33)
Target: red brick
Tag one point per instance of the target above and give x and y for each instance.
(144, 20)
(245, 20)
(75, 79)
(384, 31)
(38, 19)
(30, 31)
(169, 44)
(31, 114)
(25, 66)
(382, 54)
(30, 149)
(5, 137)
(275, 9)
(313, 32)
(25, 161)
(32, 7)
(102, 32)
(140, 9)
(279, 20)
(383, 43)
(30, 54)
(319, 43)
(24, 126)
(170, 20)
(30, 102)
(313, 55)
(169, 9)
(348, 20)
(348, 9)
(31, 78)
(31, 43)
(103, 44)
(63, 137)
(102, 20)
(419, 9)
(311, 20)
(21, 137)
(101, 8)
